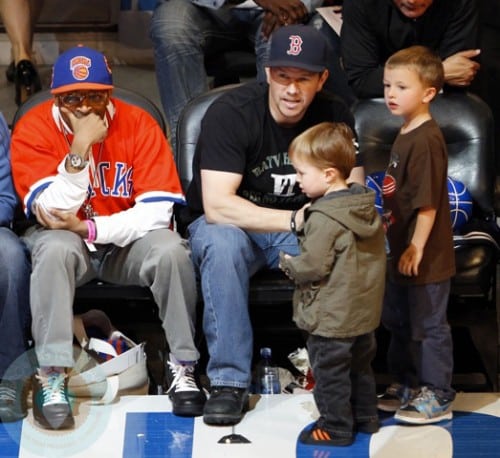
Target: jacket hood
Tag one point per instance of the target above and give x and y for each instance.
(353, 208)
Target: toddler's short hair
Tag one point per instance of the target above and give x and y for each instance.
(328, 144)
(425, 62)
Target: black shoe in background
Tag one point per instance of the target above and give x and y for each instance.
(10, 72)
(12, 400)
(27, 81)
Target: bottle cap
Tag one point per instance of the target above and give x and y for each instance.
(265, 352)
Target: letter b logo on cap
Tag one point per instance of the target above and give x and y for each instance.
(295, 45)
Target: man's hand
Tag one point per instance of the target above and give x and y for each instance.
(410, 260)
(270, 23)
(58, 219)
(299, 216)
(281, 12)
(460, 69)
(88, 129)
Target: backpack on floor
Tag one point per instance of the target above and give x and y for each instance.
(108, 363)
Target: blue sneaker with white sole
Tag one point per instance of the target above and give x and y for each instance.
(427, 407)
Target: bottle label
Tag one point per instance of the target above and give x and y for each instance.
(269, 384)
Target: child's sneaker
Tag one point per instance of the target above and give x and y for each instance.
(425, 408)
(319, 436)
(395, 396)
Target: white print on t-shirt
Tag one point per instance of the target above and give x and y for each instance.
(271, 162)
(284, 184)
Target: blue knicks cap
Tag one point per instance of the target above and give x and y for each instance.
(81, 68)
(299, 46)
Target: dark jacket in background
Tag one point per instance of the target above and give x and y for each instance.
(373, 30)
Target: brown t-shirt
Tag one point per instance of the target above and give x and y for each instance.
(416, 178)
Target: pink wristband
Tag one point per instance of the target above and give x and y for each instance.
(92, 232)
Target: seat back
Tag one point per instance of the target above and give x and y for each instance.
(467, 125)
(188, 131)
(126, 95)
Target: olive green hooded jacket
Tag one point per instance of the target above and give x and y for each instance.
(340, 273)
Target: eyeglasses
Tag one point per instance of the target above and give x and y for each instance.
(93, 98)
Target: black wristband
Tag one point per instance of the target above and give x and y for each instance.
(293, 224)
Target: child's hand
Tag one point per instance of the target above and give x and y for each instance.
(283, 256)
(280, 265)
(410, 260)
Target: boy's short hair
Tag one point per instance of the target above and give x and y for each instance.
(425, 62)
(325, 145)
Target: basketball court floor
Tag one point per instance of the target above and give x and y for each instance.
(144, 427)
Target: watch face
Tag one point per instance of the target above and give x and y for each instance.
(76, 161)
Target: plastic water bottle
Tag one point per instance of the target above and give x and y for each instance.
(268, 374)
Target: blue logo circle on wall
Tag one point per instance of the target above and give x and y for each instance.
(468, 435)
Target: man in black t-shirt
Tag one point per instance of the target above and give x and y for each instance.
(245, 197)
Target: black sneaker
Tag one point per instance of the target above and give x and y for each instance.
(319, 436)
(225, 406)
(51, 407)
(185, 392)
(12, 400)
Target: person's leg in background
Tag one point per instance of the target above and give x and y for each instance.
(183, 34)
(15, 321)
(337, 80)
(19, 17)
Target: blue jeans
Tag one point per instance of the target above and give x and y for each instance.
(225, 258)
(421, 349)
(183, 34)
(15, 317)
(345, 391)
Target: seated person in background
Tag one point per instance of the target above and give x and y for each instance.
(245, 199)
(99, 177)
(372, 30)
(185, 32)
(339, 277)
(15, 319)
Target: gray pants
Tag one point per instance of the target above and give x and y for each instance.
(160, 260)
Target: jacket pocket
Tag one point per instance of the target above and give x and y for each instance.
(307, 307)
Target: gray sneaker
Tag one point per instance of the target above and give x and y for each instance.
(395, 396)
(427, 407)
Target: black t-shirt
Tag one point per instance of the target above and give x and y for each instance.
(239, 135)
